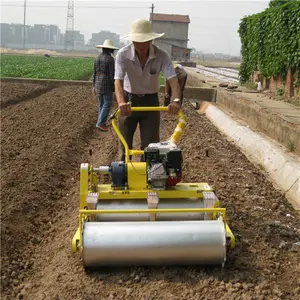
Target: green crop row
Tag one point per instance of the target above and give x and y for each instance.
(63, 68)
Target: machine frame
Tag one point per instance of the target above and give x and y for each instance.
(91, 192)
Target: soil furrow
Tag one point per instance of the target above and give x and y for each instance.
(264, 264)
(14, 93)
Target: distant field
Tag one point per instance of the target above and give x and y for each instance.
(40, 67)
(219, 63)
(64, 68)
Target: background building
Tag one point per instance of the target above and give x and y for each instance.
(99, 38)
(175, 40)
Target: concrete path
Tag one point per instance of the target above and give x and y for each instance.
(277, 119)
(285, 110)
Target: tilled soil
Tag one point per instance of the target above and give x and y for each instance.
(43, 143)
(15, 92)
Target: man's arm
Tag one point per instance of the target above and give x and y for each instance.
(167, 87)
(119, 90)
(171, 76)
(95, 70)
(94, 75)
(175, 87)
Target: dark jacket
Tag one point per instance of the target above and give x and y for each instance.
(104, 72)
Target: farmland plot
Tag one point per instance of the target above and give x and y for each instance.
(63, 68)
(43, 143)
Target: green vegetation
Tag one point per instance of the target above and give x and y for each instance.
(40, 67)
(64, 68)
(250, 85)
(291, 147)
(162, 79)
(280, 92)
(274, 3)
(271, 40)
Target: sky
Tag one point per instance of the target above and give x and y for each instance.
(213, 27)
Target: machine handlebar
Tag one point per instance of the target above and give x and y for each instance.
(174, 137)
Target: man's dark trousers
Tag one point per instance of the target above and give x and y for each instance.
(149, 121)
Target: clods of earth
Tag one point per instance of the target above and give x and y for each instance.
(47, 135)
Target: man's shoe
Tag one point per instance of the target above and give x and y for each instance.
(102, 127)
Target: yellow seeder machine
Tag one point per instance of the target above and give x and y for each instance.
(146, 215)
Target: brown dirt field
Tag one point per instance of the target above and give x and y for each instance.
(13, 92)
(43, 143)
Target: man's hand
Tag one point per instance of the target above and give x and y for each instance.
(94, 91)
(125, 109)
(167, 100)
(174, 108)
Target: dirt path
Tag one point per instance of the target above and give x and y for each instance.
(264, 265)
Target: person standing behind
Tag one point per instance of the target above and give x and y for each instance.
(182, 77)
(103, 82)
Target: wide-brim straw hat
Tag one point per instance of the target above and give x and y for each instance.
(109, 44)
(141, 31)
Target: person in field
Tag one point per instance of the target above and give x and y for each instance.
(182, 77)
(103, 82)
(138, 67)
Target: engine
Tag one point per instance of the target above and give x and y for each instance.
(164, 162)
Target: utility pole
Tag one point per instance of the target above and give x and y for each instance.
(152, 10)
(24, 26)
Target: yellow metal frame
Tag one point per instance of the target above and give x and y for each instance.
(174, 138)
(183, 190)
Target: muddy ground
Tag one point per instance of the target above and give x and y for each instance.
(43, 142)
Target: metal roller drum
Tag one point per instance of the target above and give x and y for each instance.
(153, 243)
(142, 204)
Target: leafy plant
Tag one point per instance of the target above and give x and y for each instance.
(297, 79)
(291, 147)
(270, 41)
(274, 3)
(162, 79)
(64, 68)
(280, 92)
(250, 85)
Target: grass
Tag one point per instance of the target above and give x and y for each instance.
(40, 67)
(250, 85)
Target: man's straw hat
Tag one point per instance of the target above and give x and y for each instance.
(141, 31)
(108, 44)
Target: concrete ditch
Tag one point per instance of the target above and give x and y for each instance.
(282, 168)
(277, 119)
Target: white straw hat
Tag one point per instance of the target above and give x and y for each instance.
(108, 44)
(141, 31)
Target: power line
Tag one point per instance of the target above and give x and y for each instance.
(65, 6)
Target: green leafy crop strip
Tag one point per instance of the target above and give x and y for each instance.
(270, 41)
(64, 68)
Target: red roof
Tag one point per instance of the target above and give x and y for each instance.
(171, 18)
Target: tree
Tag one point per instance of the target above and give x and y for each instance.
(275, 3)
